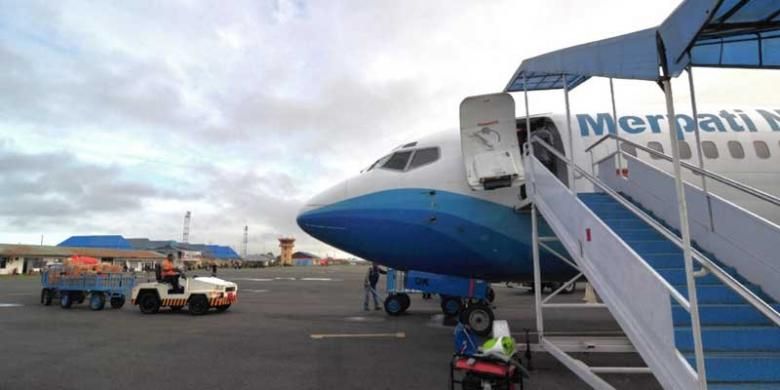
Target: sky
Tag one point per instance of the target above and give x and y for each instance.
(118, 117)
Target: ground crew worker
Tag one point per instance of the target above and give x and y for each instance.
(369, 285)
(169, 273)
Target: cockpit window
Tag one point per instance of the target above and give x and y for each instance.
(424, 156)
(409, 145)
(398, 161)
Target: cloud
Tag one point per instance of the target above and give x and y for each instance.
(118, 117)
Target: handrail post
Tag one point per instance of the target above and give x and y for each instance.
(528, 134)
(697, 134)
(570, 169)
(537, 270)
(617, 125)
(686, 236)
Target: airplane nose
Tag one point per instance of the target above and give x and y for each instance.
(310, 211)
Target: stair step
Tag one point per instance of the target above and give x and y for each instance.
(644, 234)
(748, 370)
(611, 211)
(664, 260)
(731, 339)
(718, 293)
(643, 247)
(744, 386)
(617, 224)
(722, 315)
(677, 276)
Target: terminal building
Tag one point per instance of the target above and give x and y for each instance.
(23, 259)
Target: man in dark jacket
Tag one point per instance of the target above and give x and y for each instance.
(369, 285)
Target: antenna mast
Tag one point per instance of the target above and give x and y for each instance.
(245, 243)
(185, 235)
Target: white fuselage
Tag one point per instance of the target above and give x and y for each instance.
(428, 217)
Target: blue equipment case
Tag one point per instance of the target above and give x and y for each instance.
(114, 287)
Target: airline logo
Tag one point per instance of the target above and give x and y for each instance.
(723, 121)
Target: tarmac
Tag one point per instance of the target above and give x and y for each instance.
(293, 328)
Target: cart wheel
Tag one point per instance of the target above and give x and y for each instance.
(66, 300)
(97, 301)
(117, 302)
(450, 306)
(394, 305)
(46, 296)
(491, 295)
(405, 300)
(570, 288)
(222, 308)
(149, 303)
(479, 318)
(198, 305)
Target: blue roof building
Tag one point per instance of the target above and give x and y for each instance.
(109, 241)
(223, 252)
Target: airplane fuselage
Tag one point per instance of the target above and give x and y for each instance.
(426, 217)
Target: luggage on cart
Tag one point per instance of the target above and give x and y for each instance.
(77, 287)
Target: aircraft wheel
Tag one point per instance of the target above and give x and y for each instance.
(97, 301)
(479, 318)
(450, 306)
(491, 295)
(149, 303)
(222, 308)
(117, 302)
(394, 305)
(66, 300)
(570, 288)
(198, 305)
(46, 296)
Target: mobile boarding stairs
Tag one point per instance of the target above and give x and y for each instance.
(709, 322)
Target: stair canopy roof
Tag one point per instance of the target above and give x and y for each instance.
(707, 33)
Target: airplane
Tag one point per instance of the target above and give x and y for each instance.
(421, 207)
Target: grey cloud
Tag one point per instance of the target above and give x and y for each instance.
(59, 186)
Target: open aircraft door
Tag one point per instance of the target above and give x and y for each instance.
(488, 139)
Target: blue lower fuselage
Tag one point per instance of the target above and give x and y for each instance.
(434, 231)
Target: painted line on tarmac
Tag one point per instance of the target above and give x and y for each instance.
(11, 305)
(396, 335)
(256, 279)
(287, 278)
(255, 291)
(365, 319)
(322, 280)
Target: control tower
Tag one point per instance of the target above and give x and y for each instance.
(287, 245)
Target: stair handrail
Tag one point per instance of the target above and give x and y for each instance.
(754, 300)
(704, 172)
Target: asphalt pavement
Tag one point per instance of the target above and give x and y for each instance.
(293, 328)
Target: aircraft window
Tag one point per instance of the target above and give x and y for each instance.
(398, 160)
(710, 149)
(685, 150)
(379, 163)
(657, 147)
(736, 150)
(424, 156)
(628, 148)
(762, 149)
